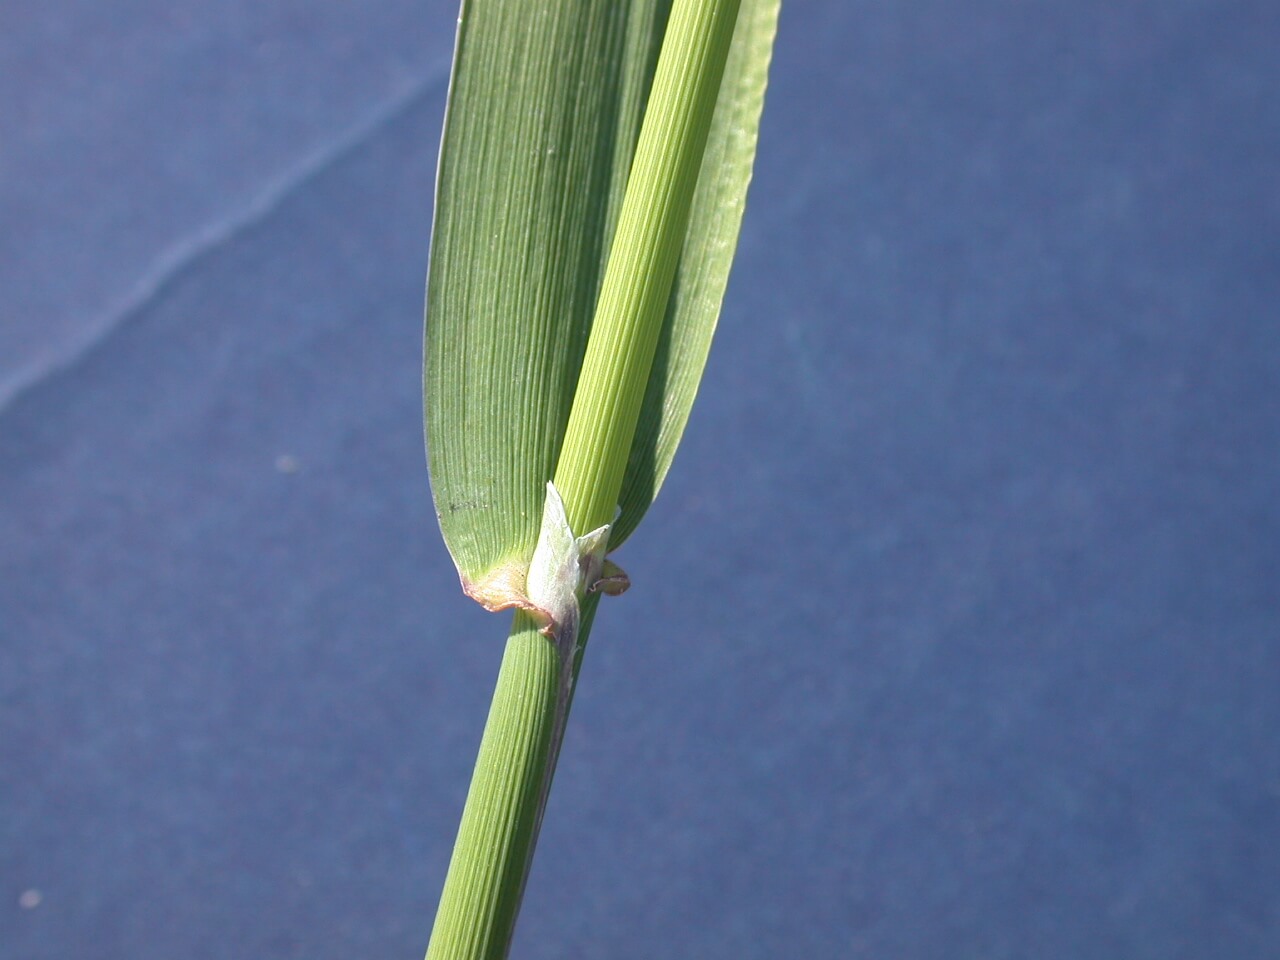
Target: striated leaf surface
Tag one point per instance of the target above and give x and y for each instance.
(544, 111)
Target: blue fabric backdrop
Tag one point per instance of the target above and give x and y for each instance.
(956, 632)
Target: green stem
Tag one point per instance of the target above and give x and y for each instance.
(642, 261)
(482, 891)
(503, 810)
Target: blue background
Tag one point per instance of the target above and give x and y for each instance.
(955, 633)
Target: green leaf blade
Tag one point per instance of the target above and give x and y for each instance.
(526, 173)
(544, 111)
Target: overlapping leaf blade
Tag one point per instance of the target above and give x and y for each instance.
(545, 108)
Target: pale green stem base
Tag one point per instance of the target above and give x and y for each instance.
(503, 812)
(499, 822)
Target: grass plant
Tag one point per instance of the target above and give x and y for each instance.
(593, 173)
